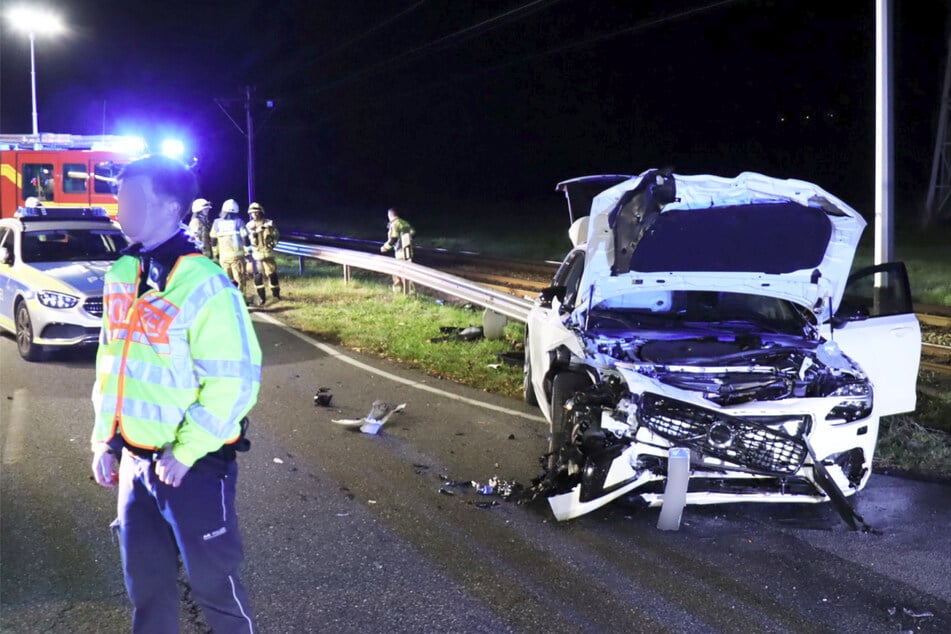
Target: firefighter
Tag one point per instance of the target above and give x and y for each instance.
(178, 368)
(399, 235)
(232, 236)
(264, 236)
(199, 228)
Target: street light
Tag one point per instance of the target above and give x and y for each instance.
(33, 21)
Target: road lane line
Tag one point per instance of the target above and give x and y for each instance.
(13, 446)
(398, 379)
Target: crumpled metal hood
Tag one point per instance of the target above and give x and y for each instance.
(750, 234)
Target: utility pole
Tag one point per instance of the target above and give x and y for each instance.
(248, 130)
(249, 126)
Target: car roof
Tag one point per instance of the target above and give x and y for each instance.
(40, 224)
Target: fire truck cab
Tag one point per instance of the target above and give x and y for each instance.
(62, 170)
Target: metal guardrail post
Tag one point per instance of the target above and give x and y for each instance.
(346, 274)
(300, 265)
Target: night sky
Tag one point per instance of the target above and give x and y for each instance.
(448, 106)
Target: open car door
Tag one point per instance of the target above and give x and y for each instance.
(876, 326)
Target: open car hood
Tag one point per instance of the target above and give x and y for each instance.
(660, 232)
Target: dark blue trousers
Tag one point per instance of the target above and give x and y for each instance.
(158, 522)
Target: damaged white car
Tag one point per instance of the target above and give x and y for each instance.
(716, 315)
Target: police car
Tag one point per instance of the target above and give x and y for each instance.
(52, 265)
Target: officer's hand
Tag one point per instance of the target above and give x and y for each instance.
(168, 469)
(104, 467)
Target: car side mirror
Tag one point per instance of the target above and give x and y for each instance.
(6, 256)
(546, 295)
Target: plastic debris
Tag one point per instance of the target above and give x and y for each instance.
(323, 396)
(278, 461)
(486, 489)
(675, 492)
(445, 491)
(918, 614)
(493, 366)
(380, 412)
(453, 333)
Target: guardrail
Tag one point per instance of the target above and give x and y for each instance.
(501, 303)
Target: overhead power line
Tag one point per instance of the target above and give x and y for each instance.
(576, 45)
(444, 41)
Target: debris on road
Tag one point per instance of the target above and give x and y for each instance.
(278, 461)
(380, 412)
(323, 396)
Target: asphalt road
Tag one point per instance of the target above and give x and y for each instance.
(346, 532)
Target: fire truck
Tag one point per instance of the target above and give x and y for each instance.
(63, 170)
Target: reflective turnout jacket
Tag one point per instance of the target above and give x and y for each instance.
(178, 361)
(232, 235)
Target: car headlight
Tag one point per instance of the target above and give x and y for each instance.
(52, 299)
(855, 404)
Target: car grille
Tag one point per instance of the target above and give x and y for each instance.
(93, 306)
(752, 445)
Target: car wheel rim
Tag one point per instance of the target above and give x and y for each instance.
(24, 330)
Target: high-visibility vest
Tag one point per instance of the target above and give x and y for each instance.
(178, 366)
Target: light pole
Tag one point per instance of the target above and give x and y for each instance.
(32, 22)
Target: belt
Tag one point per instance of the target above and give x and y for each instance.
(139, 452)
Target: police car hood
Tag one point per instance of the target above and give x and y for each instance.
(754, 234)
(85, 277)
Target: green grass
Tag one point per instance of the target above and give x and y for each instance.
(927, 256)
(366, 316)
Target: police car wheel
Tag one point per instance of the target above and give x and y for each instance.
(24, 335)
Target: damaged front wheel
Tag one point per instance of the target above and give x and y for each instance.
(564, 386)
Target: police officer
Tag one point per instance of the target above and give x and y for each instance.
(264, 236)
(178, 368)
(200, 227)
(232, 236)
(399, 234)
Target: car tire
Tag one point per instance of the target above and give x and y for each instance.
(528, 391)
(25, 335)
(564, 387)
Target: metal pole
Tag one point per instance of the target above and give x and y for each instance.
(36, 130)
(884, 138)
(249, 126)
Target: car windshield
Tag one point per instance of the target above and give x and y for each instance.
(706, 310)
(72, 245)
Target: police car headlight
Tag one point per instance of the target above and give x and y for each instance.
(856, 403)
(52, 299)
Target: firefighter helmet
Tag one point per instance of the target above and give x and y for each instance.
(200, 204)
(256, 208)
(230, 206)
(32, 201)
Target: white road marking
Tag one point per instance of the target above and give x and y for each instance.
(13, 446)
(398, 379)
